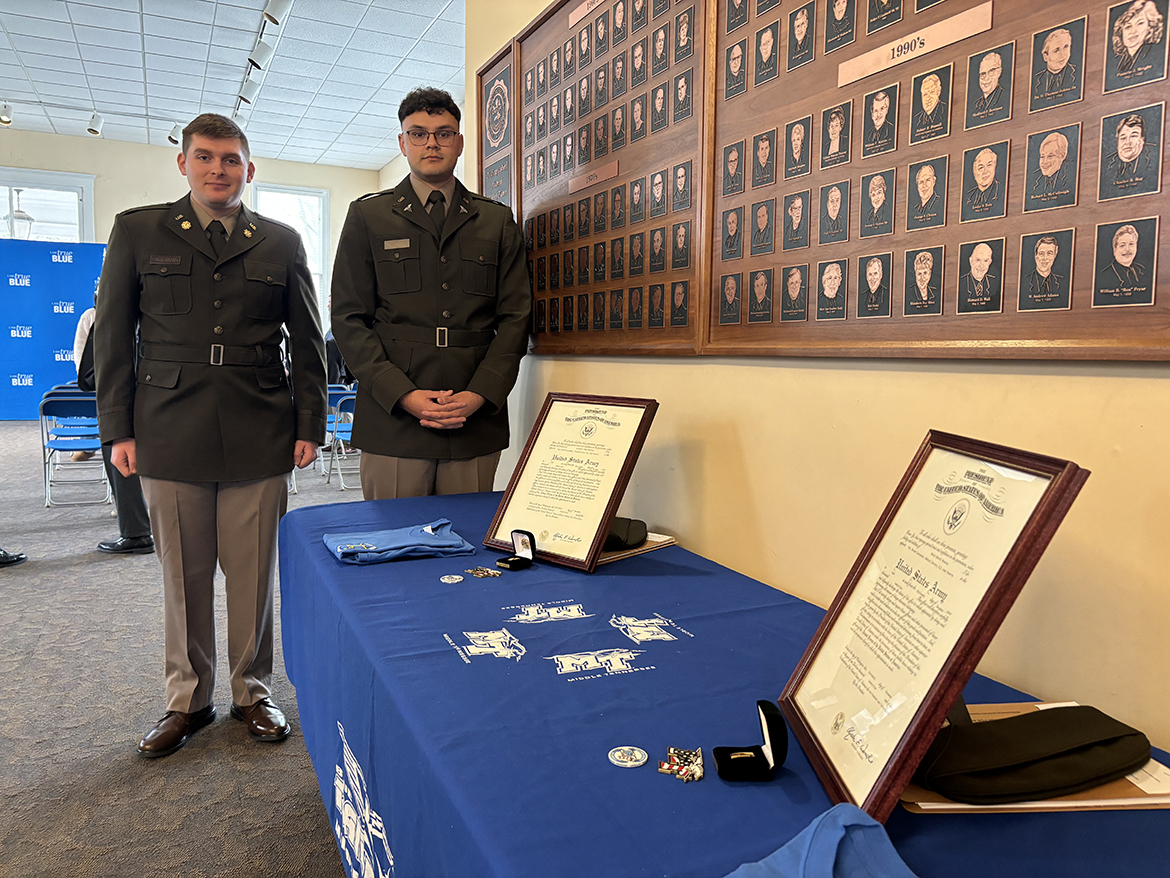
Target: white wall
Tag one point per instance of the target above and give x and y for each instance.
(131, 174)
(780, 467)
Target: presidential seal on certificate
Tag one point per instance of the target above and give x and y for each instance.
(572, 475)
(960, 536)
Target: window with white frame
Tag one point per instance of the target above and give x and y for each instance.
(307, 211)
(46, 206)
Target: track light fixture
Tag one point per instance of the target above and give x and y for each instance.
(5, 115)
(261, 55)
(276, 11)
(176, 135)
(95, 125)
(249, 91)
(239, 119)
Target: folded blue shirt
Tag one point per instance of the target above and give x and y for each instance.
(844, 842)
(434, 540)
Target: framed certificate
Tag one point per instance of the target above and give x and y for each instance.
(964, 529)
(572, 474)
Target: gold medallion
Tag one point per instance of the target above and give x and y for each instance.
(186, 225)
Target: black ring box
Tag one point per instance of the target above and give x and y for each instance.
(524, 547)
(756, 763)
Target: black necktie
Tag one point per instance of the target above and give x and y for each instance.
(217, 234)
(438, 211)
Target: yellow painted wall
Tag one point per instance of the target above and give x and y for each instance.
(130, 174)
(779, 468)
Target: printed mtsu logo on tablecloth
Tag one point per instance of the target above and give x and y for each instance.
(361, 834)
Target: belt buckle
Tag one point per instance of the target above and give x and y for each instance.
(440, 336)
(217, 360)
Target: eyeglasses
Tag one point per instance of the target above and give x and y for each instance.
(418, 137)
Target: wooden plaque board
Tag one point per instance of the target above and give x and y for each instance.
(1083, 312)
(964, 529)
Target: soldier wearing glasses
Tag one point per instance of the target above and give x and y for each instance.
(431, 309)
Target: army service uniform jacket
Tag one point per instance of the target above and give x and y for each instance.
(209, 399)
(415, 311)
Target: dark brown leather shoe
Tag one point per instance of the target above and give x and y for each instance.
(173, 730)
(264, 719)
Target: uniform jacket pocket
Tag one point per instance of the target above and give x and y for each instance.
(264, 290)
(398, 265)
(157, 373)
(480, 258)
(166, 288)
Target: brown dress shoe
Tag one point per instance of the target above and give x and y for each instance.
(172, 731)
(264, 719)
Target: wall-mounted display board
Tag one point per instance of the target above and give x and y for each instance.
(497, 112)
(910, 178)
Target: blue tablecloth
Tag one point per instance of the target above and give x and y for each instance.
(463, 729)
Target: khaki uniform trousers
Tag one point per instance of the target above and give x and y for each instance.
(194, 524)
(387, 478)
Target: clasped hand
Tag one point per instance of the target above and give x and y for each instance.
(441, 409)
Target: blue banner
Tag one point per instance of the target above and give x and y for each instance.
(45, 287)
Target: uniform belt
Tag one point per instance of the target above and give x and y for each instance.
(215, 355)
(440, 336)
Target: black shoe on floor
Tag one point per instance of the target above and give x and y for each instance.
(127, 546)
(11, 559)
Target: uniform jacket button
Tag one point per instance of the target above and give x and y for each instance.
(446, 286)
(162, 270)
(218, 330)
(443, 259)
(481, 258)
(218, 303)
(270, 278)
(217, 276)
(147, 377)
(446, 315)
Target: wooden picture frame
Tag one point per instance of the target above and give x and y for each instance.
(968, 521)
(571, 476)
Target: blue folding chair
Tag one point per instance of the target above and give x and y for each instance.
(68, 425)
(340, 433)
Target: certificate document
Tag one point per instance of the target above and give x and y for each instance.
(574, 462)
(920, 589)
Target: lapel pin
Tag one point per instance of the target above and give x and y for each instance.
(251, 225)
(462, 209)
(179, 217)
(401, 198)
(407, 208)
(247, 233)
(186, 225)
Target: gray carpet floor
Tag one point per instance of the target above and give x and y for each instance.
(81, 679)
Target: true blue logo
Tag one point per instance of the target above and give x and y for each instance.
(62, 255)
(21, 379)
(63, 356)
(20, 280)
(62, 307)
(20, 331)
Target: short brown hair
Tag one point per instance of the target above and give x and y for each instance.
(216, 127)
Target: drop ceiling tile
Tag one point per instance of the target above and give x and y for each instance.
(113, 102)
(319, 122)
(179, 48)
(366, 60)
(334, 11)
(285, 108)
(156, 78)
(321, 32)
(234, 38)
(181, 110)
(73, 114)
(112, 39)
(48, 28)
(237, 17)
(433, 53)
(14, 71)
(184, 10)
(346, 90)
(291, 82)
(115, 71)
(351, 75)
(121, 86)
(386, 45)
(7, 56)
(425, 71)
(455, 11)
(105, 17)
(55, 48)
(382, 109)
(399, 23)
(299, 67)
(291, 95)
(267, 117)
(170, 92)
(318, 140)
(53, 90)
(33, 8)
(193, 31)
(126, 5)
(227, 57)
(307, 50)
(107, 55)
(450, 33)
(220, 89)
(13, 94)
(124, 133)
(188, 68)
(332, 102)
(354, 143)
